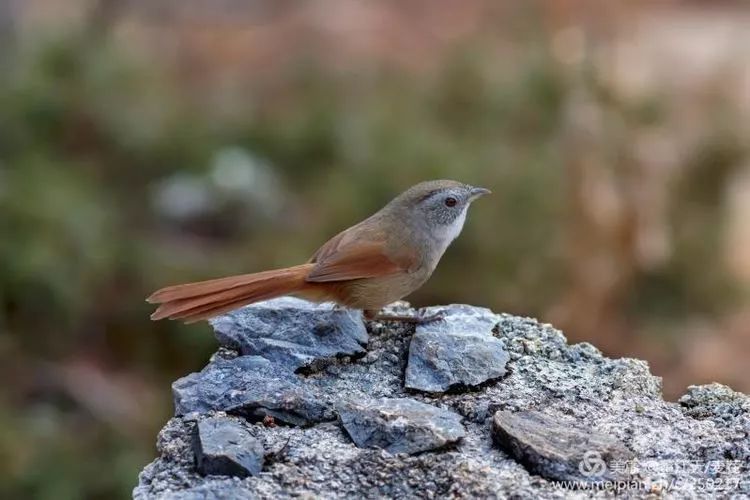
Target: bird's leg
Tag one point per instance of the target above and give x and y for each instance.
(404, 318)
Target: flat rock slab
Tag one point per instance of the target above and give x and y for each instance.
(400, 425)
(293, 333)
(250, 386)
(456, 351)
(223, 447)
(557, 449)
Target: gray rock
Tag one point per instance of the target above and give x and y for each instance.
(574, 385)
(215, 490)
(251, 386)
(400, 425)
(457, 351)
(728, 410)
(460, 318)
(293, 333)
(224, 448)
(556, 448)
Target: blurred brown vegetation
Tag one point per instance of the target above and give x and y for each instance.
(146, 143)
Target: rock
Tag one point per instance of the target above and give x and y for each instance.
(460, 318)
(714, 401)
(223, 447)
(293, 333)
(556, 448)
(400, 425)
(216, 490)
(728, 410)
(251, 386)
(457, 351)
(691, 444)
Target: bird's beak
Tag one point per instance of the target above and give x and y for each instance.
(478, 192)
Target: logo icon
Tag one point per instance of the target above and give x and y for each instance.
(592, 464)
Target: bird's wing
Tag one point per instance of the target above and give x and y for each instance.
(358, 253)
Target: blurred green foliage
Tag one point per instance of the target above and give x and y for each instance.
(90, 136)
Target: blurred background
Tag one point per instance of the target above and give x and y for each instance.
(148, 143)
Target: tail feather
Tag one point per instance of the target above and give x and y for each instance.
(188, 290)
(254, 290)
(197, 301)
(202, 313)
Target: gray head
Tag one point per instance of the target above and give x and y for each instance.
(441, 205)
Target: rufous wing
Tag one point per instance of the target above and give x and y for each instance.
(353, 255)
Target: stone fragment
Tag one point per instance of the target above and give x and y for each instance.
(251, 386)
(400, 425)
(559, 450)
(293, 333)
(457, 351)
(224, 448)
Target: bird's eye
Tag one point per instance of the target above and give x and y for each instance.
(450, 201)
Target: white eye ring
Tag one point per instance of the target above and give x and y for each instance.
(450, 201)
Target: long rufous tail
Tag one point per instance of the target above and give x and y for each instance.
(193, 302)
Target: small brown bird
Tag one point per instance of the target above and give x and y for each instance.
(378, 261)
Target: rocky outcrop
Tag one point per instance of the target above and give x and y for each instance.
(305, 400)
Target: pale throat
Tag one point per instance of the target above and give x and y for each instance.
(449, 232)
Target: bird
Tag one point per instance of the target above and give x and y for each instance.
(376, 262)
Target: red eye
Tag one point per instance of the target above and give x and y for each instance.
(450, 201)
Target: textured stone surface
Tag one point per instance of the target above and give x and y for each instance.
(223, 447)
(459, 318)
(574, 384)
(728, 410)
(556, 448)
(457, 351)
(251, 386)
(400, 425)
(293, 333)
(215, 490)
